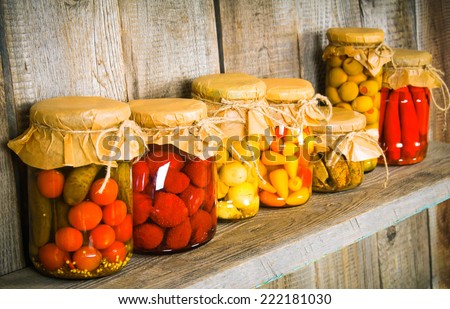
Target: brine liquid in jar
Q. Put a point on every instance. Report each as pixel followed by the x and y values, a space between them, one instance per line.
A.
pixel 77 230
pixel 174 200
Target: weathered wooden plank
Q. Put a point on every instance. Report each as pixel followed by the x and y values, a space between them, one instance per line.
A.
pixel 433 35
pixel 352 267
pixel 303 278
pixel 395 17
pixel 59 48
pixel 314 19
pixel 11 249
pixel 250 252
pixel 404 254
pixel 54 48
pixel 260 37
pixel 439 218
pixel 166 44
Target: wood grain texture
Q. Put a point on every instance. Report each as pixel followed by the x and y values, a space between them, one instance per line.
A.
pixel 395 17
pixel 314 19
pixel 260 37
pixel 404 254
pixel 166 44
pixel 433 35
pixel 303 278
pixel 354 266
pixel 440 245
pixel 11 250
pixel 250 252
pixel 60 48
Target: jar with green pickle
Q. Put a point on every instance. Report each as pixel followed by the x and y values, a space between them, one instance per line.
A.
pixel 78 152
pixel 354 71
pixel 341 147
pixel 239 99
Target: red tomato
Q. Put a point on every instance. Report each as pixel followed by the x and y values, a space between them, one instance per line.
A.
pixel 52 257
pixel 87 258
pixel 85 216
pixel 109 193
pixel 141 174
pixel 102 236
pixel 124 230
pixel 115 253
pixel 68 239
pixel 50 183
pixel 114 213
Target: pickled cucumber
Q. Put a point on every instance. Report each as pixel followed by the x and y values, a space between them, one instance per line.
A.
pixel 78 183
pixel 356 173
pixel 40 216
pixel 122 175
pixel 339 174
pixel 61 210
pixel 320 174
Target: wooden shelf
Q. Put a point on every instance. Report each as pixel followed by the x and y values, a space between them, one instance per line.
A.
pixel 249 253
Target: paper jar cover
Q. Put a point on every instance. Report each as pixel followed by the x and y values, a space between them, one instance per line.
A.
pixel 77 131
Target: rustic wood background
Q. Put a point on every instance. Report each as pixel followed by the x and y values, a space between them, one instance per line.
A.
pixel 125 49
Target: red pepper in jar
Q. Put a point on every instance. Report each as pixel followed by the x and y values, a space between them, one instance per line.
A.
pixel 422 106
pixel 409 125
pixel 391 127
pixel 384 96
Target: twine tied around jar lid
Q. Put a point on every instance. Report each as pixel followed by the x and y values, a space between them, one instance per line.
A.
pixel 77 131
pixel 431 79
pixel 311 113
pixel 366 45
pixel 180 122
pixel 260 107
pixel 344 135
pixel 410 67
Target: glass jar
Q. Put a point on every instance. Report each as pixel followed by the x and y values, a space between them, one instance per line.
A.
pixel 354 71
pixel 79 186
pixel 340 149
pixel 239 98
pixel 284 166
pixel 405 106
pixel 174 187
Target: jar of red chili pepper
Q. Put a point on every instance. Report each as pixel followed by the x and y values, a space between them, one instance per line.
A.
pixel 405 106
pixel 284 164
pixel 341 146
pixel 79 185
pixel 354 72
pixel 174 187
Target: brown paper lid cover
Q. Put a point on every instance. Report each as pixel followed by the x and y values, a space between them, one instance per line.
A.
pixel 342 121
pixel 410 58
pixel 167 112
pixel 229 86
pixel 288 90
pixel 363 36
pixel 69 131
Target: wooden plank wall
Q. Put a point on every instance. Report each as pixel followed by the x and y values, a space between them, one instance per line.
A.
pixel 128 49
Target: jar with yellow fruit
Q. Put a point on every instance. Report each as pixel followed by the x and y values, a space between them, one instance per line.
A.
pixel 354 71
pixel 239 99
pixel 341 147
pixel 284 164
